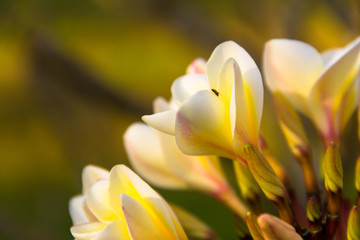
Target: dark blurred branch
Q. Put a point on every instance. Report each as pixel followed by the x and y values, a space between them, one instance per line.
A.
pixel 50 64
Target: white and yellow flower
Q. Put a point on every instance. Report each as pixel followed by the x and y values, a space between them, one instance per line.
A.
pixel 216 113
pixel 323 87
pixel 156 157
pixel 119 205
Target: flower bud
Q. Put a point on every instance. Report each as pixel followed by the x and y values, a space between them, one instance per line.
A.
pixel 274 228
pixel 313 211
pixel 253 226
pixel 264 174
pixel 357 175
pixel 269 183
pixel 353 230
pixel 333 169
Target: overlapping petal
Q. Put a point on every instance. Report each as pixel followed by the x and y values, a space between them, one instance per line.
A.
pixel 332 89
pixel 147 157
pixel 320 86
pixel 124 207
pixel 292 67
pixel 162 121
pixel 203 126
pixel 186 86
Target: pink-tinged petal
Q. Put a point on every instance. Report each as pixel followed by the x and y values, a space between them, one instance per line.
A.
pixel 222 54
pixel 146 155
pixel 198 172
pixel 186 86
pixel 328 93
pixel 77 211
pixel 249 97
pixel 91 174
pixel 197 66
pixel 115 230
pixel 274 228
pixel 98 201
pixel 140 223
pixel 203 126
pixel 292 67
pixel 87 231
pixel 162 121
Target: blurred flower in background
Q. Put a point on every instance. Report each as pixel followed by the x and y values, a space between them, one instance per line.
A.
pixel 75 74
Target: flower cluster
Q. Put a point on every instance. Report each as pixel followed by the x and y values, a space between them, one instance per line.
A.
pixel 214 115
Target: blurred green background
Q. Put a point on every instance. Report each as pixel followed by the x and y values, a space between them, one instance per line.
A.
pixel 75 74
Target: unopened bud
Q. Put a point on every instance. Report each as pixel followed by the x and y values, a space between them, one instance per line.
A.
pixel 357 175
pixel 353 230
pixel 253 226
pixel 269 183
pixel 264 174
pixel 313 211
pixel 333 169
pixel 274 228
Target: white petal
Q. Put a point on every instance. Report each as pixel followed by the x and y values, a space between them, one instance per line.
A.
pixel 187 85
pixel 227 76
pixel 161 105
pixel 98 201
pixel 203 126
pixel 162 121
pixel 141 223
pixel 123 180
pixel 146 155
pixel 76 209
pixel 223 53
pixel 86 231
pixel 249 94
pixel 197 171
pixel 91 174
pixel 292 67
pixel 328 93
pixel 337 77
pixel 115 230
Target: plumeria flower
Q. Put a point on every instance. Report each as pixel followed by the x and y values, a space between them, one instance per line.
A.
pixel 324 87
pixel 219 111
pixel 156 156
pixel 268 227
pixel 120 205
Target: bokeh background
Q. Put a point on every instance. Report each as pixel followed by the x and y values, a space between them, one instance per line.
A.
pixel 75 74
